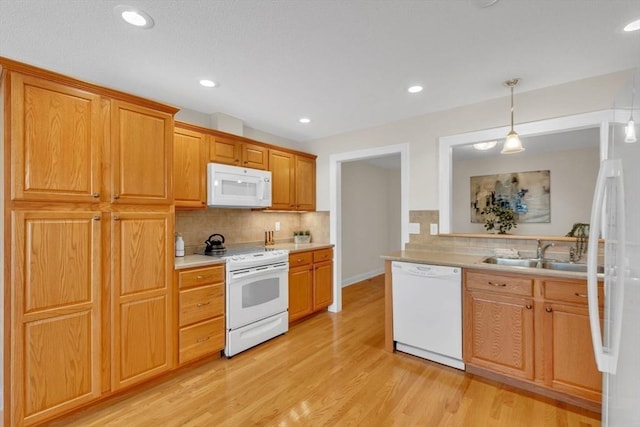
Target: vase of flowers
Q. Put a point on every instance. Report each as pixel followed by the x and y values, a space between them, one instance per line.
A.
pixel 499 218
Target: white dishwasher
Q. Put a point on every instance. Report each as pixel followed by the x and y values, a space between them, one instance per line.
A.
pixel 427 311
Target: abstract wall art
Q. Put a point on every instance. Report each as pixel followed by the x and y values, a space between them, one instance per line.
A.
pixel 526 193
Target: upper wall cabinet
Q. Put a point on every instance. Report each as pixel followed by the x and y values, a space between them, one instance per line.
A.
pixel 189 166
pixel 56 135
pixel 233 151
pixel 294 181
pixel 142 154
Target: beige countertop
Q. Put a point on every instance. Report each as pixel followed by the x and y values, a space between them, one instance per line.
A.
pixel 195 260
pixel 474 261
pixel 190 261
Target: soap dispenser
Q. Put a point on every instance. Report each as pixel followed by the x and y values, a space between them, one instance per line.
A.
pixel 179 245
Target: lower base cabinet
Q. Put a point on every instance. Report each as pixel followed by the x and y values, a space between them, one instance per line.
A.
pixel 531 332
pixel 310 282
pixel 201 300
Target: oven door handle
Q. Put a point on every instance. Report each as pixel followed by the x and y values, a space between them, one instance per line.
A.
pixel 258 271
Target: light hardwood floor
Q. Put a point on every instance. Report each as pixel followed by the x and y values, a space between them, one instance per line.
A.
pixel 330 370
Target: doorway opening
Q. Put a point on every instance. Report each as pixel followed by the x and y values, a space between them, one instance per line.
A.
pixel 351 173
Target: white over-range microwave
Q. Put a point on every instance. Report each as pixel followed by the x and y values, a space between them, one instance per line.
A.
pixel 237 187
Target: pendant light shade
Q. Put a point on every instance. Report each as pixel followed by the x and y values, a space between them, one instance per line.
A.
pixel 630 128
pixel 630 131
pixel 512 143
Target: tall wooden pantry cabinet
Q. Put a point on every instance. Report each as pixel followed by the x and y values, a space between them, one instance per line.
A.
pixel 88 241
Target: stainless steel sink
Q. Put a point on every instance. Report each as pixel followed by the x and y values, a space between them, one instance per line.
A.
pixel 534 263
pixel 568 266
pixel 513 262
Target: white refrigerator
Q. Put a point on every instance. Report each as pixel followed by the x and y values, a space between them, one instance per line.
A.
pixel 615 217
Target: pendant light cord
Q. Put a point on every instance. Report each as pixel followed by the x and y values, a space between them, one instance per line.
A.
pixel 512 108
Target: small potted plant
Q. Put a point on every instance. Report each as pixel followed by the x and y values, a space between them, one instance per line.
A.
pixel 302 236
pixel 498 218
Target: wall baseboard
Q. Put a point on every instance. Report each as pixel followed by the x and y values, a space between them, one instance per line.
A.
pixel 363 276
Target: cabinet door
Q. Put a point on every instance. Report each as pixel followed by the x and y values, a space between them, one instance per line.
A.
pixel 142 155
pixel 142 344
pixel 56 138
pixel 189 166
pixel 499 333
pixel 56 351
pixel 225 150
pixel 570 365
pixel 300 292
pixel 305 168
pixel 283 192
pixel 322 285
pixel 254 156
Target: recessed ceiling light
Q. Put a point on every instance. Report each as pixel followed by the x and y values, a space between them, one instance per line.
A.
pixel 304 120
pixel 135 17
pixel 632 26
pixel 415 89
pixel 483 146
pixel 208 83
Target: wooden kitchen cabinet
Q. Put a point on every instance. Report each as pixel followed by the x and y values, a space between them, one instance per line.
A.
pixel 569 362
pixel 56 139
pixel 310 282
pixel 141 154
pixel 532 332
pixel 293 181
pixel 142 315
pixel 190 168
pixel 56 352
pixel 498 321
pixel 235 151
pixel 90 240
pixel 201 301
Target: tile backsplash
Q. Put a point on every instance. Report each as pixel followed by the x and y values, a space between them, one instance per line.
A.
pixel 480 245
pixel 240 226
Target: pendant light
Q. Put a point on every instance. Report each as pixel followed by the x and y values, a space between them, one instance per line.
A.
pixel 512 143
pixel 630 128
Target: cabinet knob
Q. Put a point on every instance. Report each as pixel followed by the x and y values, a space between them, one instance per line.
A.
pixel 96 218
pixel 116 218
pixel 200 340
pixel 528 306
pixel 202 304
pixel 116 196
pixel 95 195
pixel 578 294
pixel 548 309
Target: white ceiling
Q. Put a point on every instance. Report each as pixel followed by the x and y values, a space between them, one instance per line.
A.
pixel 345 64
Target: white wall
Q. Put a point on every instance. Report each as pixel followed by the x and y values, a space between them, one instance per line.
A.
pixel 422 133
pixel 207 121
pixel 573 176
pixel 370 218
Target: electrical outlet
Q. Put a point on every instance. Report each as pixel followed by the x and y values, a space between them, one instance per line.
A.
pixel 414 228
pixel 433 229
pixel 277 226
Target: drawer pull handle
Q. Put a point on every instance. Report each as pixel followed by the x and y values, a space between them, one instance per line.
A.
pixel 203 339
pixel 578 294
pixel 499 285
pixel 548 309
pixel 95 195
pixel 528 306
pixel 202 304
pixel 203 277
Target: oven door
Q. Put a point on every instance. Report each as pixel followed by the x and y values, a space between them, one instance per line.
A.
pixel 256 293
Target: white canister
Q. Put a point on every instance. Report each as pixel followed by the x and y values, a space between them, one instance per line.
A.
pixel 179 245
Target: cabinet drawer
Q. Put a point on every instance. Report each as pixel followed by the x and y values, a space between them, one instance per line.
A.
pixel 570 291
pixel 300 258
pixel 498 283
pixel 201 276
pixel 201 339
pixel 322 255
pixel 201 303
